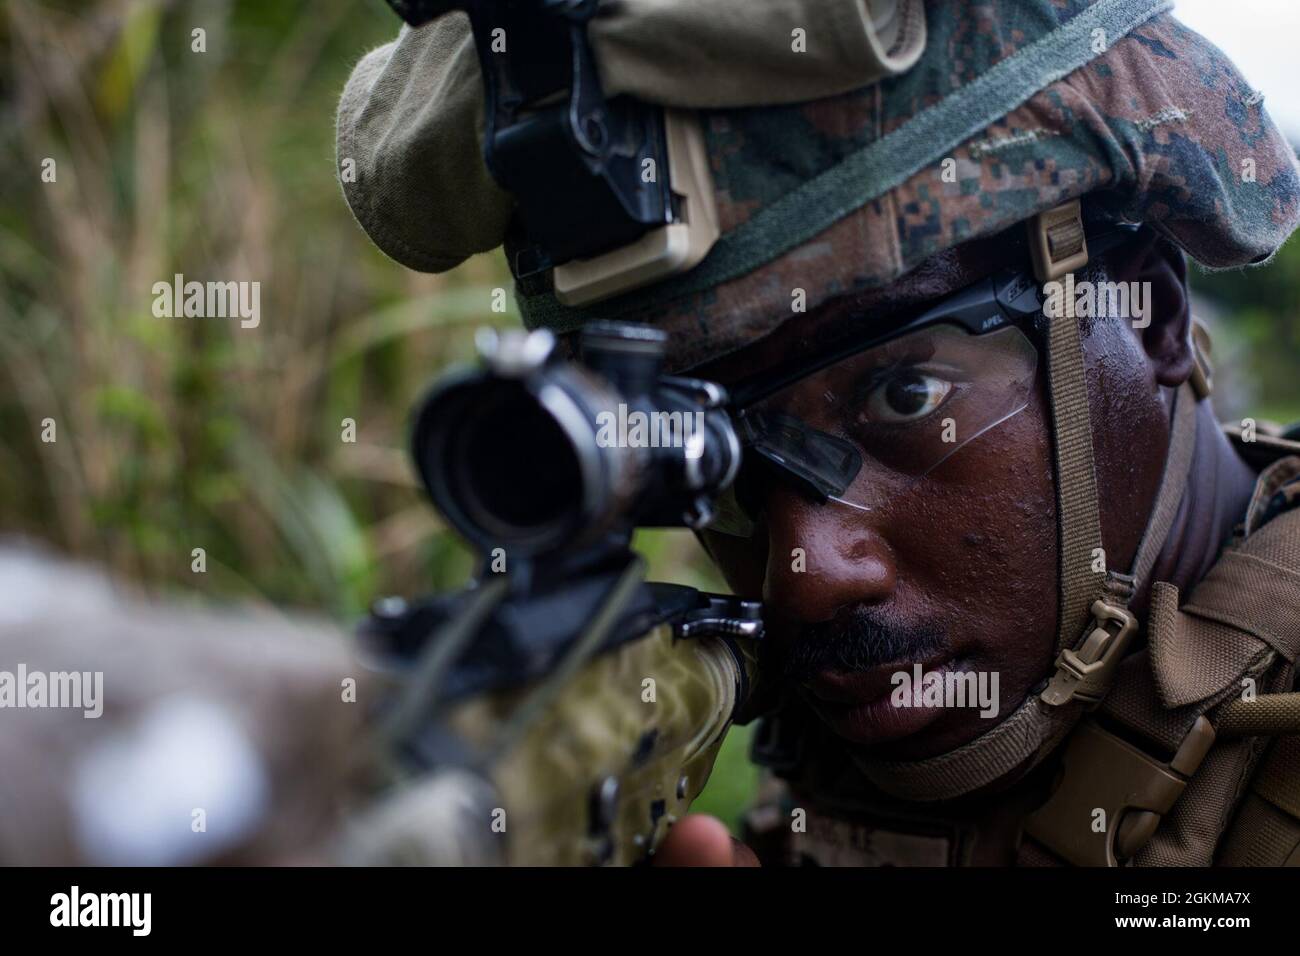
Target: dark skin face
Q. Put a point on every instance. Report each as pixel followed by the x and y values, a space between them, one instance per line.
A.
pixel 971 549
pixel 969 552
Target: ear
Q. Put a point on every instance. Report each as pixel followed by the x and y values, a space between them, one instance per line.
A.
pixel 1166 339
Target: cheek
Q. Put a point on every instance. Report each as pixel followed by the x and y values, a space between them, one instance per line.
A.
pixel 1130 436
pixel 976 543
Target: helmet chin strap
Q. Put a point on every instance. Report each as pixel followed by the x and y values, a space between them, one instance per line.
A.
pixel 1094 624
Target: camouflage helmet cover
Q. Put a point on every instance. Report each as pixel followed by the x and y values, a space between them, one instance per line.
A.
pixel 1014 107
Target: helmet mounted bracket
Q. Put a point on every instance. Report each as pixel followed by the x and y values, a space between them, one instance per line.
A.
pixel 611 193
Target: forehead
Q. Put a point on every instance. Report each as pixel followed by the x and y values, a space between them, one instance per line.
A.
pixel 936 278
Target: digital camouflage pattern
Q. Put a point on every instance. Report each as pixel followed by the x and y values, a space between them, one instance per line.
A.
pixel 1160 127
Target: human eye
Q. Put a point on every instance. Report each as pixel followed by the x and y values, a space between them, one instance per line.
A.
pixel 903 394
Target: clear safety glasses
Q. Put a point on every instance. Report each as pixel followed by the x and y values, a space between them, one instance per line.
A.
pixel 866 422
pixel 862 424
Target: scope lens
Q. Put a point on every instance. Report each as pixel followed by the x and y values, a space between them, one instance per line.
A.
pixel 508 471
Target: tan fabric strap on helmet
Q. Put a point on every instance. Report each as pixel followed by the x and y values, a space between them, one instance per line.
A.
pixel 1086 670
pixel 1078 521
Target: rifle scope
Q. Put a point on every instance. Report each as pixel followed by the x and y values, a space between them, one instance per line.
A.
pixel 534 453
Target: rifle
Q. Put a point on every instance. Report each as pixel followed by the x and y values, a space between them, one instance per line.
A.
pixel 560 710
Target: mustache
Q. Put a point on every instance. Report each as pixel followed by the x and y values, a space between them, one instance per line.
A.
pixel 857 639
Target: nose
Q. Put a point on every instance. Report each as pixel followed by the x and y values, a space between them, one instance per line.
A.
pixel 822 557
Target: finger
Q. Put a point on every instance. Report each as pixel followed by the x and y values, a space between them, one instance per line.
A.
pixel 696 840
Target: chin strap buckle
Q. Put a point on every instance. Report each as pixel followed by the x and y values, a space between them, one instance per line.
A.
pixel 1085 672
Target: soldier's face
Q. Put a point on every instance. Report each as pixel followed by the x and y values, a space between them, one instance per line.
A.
pixel 958 572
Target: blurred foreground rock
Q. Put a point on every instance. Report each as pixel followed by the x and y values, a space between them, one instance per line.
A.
pixel 222 737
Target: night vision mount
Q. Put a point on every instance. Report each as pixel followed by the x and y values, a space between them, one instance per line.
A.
pixel 611 194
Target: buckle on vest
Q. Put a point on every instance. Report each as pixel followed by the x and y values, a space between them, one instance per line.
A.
pixel 1131 789
pixel 1085 673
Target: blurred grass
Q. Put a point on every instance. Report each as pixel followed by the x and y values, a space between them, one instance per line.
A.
pixel 174 434
pixel 734 782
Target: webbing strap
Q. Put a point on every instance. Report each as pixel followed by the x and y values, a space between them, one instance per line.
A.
pixel 1265 715
pixel 1033 729
pixel 1078 521
pixel 1087 665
